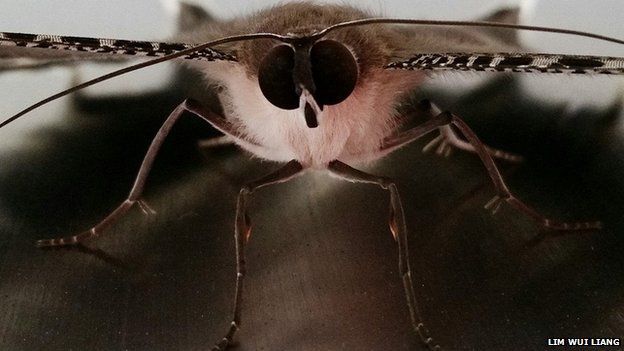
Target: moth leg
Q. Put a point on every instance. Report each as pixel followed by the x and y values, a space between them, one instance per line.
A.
pixel 405 137
pixel 135 192
pixel 448 139
pixel 222 125
pixel 139 184
pixel 443 119
pixel 242 232
pixel 503 192
pixel 399 231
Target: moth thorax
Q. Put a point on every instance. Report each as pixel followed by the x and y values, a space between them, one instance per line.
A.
pixel 308 76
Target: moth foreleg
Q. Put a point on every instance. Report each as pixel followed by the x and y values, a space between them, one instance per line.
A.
pixel 135 192
pixel 242 232
pixel 399 231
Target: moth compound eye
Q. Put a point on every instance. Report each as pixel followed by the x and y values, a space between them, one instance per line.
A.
pixel 334 70
pixel 276 77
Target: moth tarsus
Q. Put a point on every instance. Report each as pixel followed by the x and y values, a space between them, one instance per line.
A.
pixel 308 91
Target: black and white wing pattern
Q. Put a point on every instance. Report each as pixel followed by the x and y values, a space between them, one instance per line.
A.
pixel 513 62
pixel 489 49
pixel 22 45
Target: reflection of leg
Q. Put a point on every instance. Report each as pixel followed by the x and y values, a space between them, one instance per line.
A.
pixel 242 231
pixel 503 193
pixel 399 231
pixel 135 193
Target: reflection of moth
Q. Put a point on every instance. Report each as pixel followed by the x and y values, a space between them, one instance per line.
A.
pixel 312 89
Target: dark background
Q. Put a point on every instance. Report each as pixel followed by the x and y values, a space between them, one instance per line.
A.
pixel 322 265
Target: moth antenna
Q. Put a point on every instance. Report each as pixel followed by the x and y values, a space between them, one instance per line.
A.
pixel 189 51
pixel 512 62
pixel 367 21
pixel 43 39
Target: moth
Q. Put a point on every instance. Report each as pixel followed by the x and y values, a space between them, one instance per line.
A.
pixel 316 87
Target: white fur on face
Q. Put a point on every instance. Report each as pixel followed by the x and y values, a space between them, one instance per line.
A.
pixel 351 131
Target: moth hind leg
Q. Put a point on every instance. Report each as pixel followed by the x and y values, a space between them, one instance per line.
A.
pixel 449 140
pixel 504 195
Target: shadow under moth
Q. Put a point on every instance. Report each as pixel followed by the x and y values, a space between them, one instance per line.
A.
pixel 318 87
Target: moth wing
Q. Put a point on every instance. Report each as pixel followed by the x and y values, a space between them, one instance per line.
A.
pixel 13 57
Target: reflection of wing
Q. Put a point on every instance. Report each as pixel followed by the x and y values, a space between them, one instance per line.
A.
pixel 13 63
pixel 412 39
pixel 419 39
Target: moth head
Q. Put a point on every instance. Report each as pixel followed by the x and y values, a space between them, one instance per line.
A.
pixel 308 75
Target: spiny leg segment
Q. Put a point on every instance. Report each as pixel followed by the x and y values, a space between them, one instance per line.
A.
pixel 139 184
pixel 505 195
pixel 242 232
pixel 399 231
pixel 441 121
pixel 135 192
pixel 486 154
pixel 448 139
